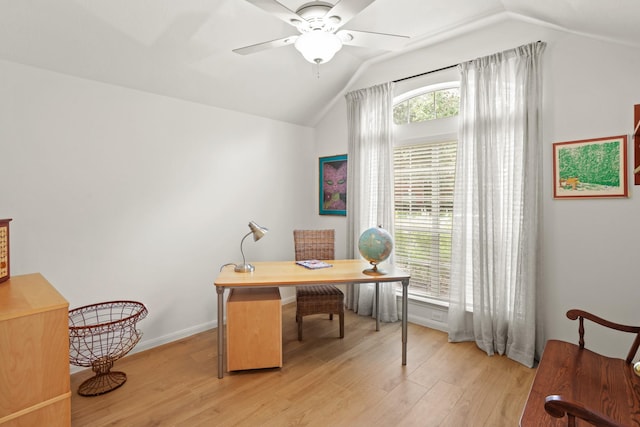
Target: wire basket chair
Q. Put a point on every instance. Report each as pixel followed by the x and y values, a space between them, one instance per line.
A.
pixel 100 334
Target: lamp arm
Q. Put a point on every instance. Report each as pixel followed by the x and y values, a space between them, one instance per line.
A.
pixel 241 250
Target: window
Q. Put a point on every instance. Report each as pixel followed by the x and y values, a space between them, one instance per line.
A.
pixel 423 189
pixel 420 106
pixel 424 170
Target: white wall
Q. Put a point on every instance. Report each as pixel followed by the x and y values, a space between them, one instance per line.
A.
pixel 590 87
pixel 120 194
pixel 333 142
pixel 589 249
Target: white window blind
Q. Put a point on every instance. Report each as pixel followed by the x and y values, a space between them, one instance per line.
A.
pixel 423 187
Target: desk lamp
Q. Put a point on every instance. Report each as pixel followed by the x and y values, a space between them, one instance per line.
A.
pixel 258 232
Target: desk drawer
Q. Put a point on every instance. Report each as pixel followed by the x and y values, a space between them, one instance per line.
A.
pixel 254 328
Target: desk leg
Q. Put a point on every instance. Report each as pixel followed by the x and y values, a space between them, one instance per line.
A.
pixel 377 308
pixel 220 291
pixel 405 306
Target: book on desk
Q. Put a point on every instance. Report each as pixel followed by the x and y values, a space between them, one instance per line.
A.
pixel 313 264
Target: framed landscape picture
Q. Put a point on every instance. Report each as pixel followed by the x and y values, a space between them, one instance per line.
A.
pixel 590 168
pixel 333 185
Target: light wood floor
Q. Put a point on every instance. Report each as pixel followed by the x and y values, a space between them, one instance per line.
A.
pixel 325 381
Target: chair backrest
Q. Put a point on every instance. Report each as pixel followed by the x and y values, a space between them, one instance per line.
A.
pixel 314 244
pixel 581 315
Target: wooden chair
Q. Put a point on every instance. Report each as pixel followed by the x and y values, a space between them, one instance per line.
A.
pixel 317 299
pixel 580 384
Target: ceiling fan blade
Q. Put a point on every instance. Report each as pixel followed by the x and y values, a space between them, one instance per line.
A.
pixel 279 11
pixel 347 9
pixel 247 50
pixel 372 40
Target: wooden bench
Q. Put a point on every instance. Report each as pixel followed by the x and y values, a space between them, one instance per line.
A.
pixel 574 386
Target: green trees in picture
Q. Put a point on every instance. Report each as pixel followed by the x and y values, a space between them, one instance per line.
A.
pixel 596 164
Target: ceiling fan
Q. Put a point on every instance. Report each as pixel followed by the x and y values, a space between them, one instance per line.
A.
pixel 319 24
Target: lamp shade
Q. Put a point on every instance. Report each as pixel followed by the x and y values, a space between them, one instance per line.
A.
pixel 258 232
pixel 317 46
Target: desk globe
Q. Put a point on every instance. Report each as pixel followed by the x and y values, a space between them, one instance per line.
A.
pixel 375 245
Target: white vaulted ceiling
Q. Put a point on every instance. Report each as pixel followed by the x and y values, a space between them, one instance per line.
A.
pixel 183 48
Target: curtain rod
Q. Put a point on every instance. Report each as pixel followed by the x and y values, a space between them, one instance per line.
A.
pixel 425 73
pixel 433 71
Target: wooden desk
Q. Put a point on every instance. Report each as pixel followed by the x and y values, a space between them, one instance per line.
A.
pixel 288 273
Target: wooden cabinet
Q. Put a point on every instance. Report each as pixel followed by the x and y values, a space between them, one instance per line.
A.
pixel 34 354
pixel 254 328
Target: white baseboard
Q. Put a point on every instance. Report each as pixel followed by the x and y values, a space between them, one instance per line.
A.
pixel 426 314
pixel 420 313
pixel 289 300
pixel 429 323
pixel 165 339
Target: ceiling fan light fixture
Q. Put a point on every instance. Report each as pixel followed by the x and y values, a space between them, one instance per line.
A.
pixel 318 47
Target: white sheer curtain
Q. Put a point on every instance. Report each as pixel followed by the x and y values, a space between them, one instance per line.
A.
pixel 370 185
pixel 496 204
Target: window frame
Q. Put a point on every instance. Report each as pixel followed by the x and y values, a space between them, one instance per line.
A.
pixel 429 131
pixel 434 217
pixel 422 90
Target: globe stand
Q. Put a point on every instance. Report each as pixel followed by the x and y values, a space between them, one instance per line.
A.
pixel 374 271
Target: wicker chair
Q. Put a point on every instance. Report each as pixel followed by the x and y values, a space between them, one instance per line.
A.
pixel 317 299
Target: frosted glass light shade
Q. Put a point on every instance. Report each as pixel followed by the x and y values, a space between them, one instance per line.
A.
pixel 318 47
